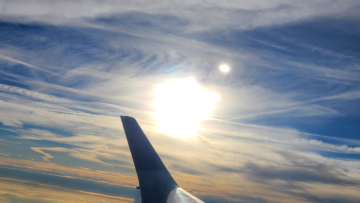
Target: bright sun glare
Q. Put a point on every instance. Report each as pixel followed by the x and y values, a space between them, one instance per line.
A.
pixel 224 68
pixel 181 105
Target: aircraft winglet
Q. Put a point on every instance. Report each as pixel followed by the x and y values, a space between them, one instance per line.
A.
pixel 155 181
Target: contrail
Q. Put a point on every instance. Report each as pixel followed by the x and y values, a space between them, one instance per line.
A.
pixel 26 64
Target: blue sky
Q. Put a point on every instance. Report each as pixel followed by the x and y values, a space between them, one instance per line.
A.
pixel 286 127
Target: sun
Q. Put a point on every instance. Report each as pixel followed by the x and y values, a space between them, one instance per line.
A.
pixel 224 68
pixel 181 105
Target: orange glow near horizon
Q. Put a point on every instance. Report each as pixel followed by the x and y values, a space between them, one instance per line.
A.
pixel 181 105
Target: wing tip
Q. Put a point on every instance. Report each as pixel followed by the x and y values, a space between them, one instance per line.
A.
pixel 127 118
pixel 155 181
pixel 122 116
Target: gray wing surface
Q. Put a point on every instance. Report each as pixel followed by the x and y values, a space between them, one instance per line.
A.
pixel 156 183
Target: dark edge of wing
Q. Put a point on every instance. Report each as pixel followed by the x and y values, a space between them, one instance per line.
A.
pixel 155 181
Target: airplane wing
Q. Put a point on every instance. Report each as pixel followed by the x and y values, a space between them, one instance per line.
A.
pixel 156 183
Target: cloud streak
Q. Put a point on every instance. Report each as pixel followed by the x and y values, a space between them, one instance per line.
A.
pixel 283 130
pixel 198 14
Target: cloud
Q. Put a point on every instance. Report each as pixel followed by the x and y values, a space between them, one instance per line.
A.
pixel 14 191
pixel 14 199
pixel 106 177
pixel 32 94
pixel 300 174
pixel 11 122
pixel 46 156
pixel 24 63
pixel 187 170
pixel 78 153
pixel 69 182
pixel 320 173
pixel 202 15
pixel 111 55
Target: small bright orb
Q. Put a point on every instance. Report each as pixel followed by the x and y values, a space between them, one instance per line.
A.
pixel 181 105
pixel 224 68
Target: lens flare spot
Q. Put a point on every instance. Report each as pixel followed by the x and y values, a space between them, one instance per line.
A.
pixel 181 105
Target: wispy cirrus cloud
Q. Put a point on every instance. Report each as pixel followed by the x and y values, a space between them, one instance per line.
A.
pixel 198 14
pixel 69 69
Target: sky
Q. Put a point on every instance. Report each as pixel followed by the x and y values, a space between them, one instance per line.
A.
pixel 281 126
